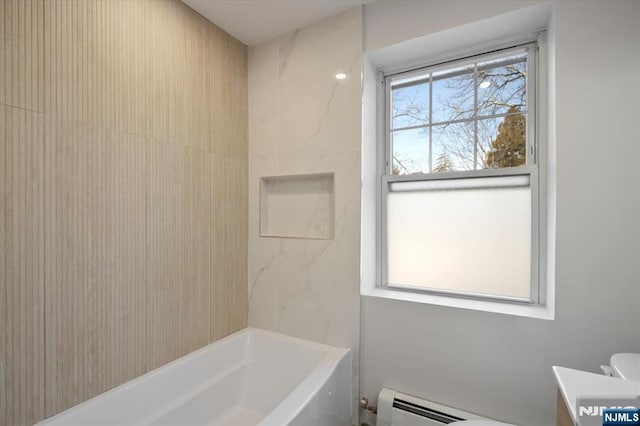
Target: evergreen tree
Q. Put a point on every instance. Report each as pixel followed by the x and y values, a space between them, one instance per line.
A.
pixel 509 149
pixel 443 163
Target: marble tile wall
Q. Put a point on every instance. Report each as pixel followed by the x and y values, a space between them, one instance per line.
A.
pixel 303 120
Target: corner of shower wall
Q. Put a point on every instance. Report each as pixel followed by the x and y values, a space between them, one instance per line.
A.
pixel 304 121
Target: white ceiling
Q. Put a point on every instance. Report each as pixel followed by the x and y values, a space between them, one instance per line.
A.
pixel 255 21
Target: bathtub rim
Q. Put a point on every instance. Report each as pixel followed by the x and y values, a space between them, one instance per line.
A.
pixel 318 376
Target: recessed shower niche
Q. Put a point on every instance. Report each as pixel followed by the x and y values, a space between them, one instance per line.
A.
pixel 297 206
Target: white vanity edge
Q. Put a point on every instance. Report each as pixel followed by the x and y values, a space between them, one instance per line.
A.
pixel 576 383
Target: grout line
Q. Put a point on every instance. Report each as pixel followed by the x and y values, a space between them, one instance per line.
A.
pixel 21 108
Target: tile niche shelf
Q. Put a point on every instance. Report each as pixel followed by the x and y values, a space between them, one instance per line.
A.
pixel 297 206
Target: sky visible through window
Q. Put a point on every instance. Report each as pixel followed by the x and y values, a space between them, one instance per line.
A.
pixel 464 118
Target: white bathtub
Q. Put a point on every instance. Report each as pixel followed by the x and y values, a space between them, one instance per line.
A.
pixel 252 377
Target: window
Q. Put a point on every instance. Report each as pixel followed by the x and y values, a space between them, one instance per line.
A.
pixel 459 185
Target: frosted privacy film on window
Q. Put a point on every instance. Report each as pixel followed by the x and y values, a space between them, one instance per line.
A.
pixel 472 240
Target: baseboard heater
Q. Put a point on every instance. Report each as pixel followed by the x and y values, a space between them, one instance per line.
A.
pixel 398 409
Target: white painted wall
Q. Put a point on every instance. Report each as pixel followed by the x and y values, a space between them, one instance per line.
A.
pixel 499 365
pixel 391 22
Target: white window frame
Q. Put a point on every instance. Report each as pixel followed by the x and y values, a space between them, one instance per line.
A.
pixel 534 169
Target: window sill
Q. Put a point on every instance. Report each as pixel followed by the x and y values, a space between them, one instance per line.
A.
pixel 529 311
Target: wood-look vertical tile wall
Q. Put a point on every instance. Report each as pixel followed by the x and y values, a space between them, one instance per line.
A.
pixel 123 194
pixel 96 268
pixel 229 298
pixel 21 211
pixel 21 54
pixel 21 265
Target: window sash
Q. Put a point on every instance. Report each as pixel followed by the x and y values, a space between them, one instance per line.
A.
pixel 417 76
pixel 523 177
